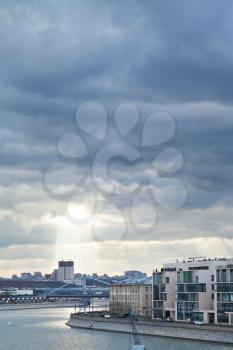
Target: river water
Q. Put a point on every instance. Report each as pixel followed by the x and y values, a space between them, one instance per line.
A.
pixel 46 330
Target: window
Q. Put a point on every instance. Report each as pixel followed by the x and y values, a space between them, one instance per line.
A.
pixel 218 275
pixel 212 296
pixel 212 278
pixel 167 279
pixel 164 296
pixel 198 287
pixel 178 277
pixel 159 277
pixel 156 292
pixel 231 275
pixel 212 286
pixel 162 288
pixel 223 275
pixel 187 296
pixel 187 276
pixel 180 288
pixel 199 268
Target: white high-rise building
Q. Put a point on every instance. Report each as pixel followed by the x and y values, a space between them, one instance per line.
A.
pixel 65 271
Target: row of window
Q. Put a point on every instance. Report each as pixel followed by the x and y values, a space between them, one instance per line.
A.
pixel 224 275
pixel 187 296
pixel 224 307
pixel 168 269
pixel 225 297
pixel 191 288
pixel 225 287
pixel 199 268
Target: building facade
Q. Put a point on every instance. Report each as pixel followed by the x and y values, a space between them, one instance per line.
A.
pixel 164 283
pixel 194 290
pixel 134 294
pixel 65 271
pixel 224 294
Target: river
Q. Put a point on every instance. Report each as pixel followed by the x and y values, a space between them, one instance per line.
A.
pixel 46 330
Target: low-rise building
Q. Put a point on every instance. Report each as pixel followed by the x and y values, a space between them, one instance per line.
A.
pixel 26 276
pixel 131 293
pixel 16 291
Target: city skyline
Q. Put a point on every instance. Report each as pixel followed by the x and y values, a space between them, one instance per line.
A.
pixel 31 274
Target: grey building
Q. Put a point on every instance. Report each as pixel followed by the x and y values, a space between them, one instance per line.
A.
pixel 131 293
pixel 65 271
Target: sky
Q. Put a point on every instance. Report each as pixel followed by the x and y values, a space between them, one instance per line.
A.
pixel 85 85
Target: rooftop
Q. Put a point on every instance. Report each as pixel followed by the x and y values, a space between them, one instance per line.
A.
pixel 135 281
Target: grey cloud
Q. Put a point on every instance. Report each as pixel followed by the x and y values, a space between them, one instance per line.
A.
pixel 161 55
pixel 154 50
pixel 13 234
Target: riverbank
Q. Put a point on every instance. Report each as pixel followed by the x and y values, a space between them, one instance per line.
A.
pixel 215 334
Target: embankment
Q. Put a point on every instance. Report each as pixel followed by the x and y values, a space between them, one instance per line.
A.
pixel 216 334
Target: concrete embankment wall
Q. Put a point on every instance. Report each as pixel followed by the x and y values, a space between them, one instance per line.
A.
pixel 145 328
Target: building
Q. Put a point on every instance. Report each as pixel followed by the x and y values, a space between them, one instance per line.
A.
pixel 18 292
pixel 26 276
pixel 15 277
pixel 164 296
pixel 37 275
pixel 135 294
pixel 224 292
pixel 65 271
pixel 80 281
pixel 55 275
pixel 134 274
pixel 193 289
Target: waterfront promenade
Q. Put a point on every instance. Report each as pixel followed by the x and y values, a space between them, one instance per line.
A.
pixel 217 334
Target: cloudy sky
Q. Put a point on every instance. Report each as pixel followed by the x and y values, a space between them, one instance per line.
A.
pixel 79 81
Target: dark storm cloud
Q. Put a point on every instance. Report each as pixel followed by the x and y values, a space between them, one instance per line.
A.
pixel 54 56
pixel 154 50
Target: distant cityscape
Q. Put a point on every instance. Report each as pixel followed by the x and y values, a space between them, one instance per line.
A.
pixel 65 272
pixel 193 290
pixel 62 284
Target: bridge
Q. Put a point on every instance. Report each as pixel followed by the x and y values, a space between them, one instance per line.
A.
pixel 61 293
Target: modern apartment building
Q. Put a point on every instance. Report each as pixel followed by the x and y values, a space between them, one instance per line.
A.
pixel 164 284
pixel 131 293
pixel 194 289
pixel 224 294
